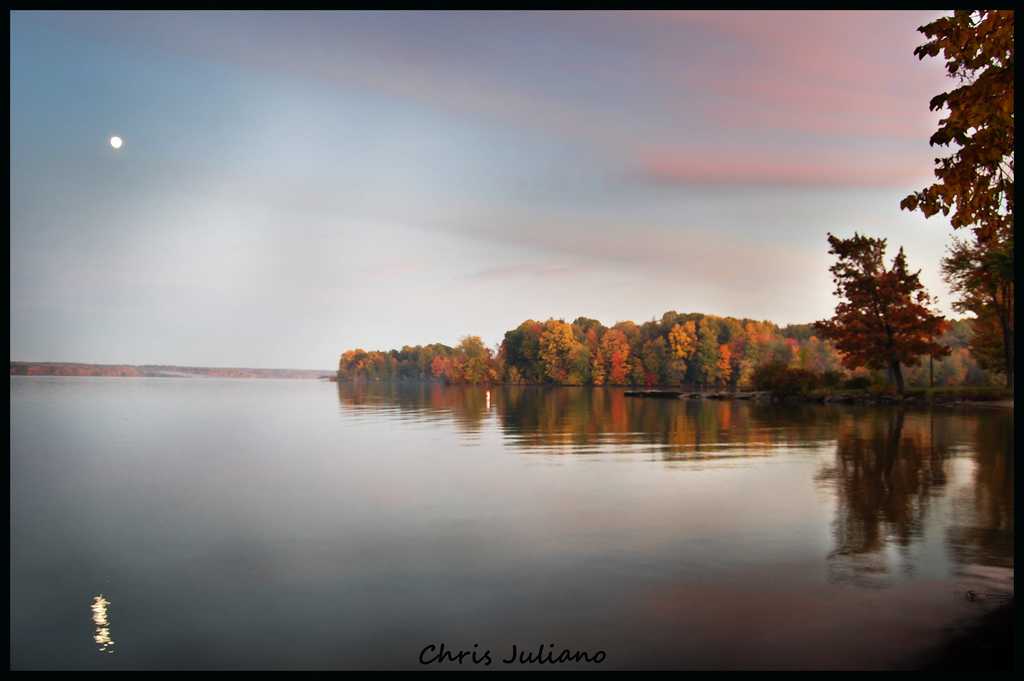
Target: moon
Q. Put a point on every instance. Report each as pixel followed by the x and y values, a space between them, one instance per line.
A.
pixel 116 142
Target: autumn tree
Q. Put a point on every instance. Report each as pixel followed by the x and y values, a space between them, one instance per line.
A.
pixel 521 348
pixel 883 319
pixel 587 330
pixel 706 355
pixel 440 367
pixel 580 371
pixel 476 361
pixel 982 278
pixel 587 362
pixel 558 350
pixel 988 349
pixel 597 367
pixel 682 339
pixel 655 359
pixel 638 372
pixel 974 184
pixel 757 336
pixel 724 363
pixel 615 348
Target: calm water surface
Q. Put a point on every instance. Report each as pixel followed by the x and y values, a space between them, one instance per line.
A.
pixel 204 523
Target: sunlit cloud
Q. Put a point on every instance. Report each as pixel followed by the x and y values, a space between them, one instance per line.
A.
pixel 783 168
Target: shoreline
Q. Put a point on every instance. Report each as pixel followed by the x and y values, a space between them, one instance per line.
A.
pixel 986 645
pixel 938 397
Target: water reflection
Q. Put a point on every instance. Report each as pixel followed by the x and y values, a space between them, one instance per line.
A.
pixel 584 420
pixel 898 479
pixel 888 467
pixel 981 532
pixel 377 519
pixel 892 468
pixel 101 620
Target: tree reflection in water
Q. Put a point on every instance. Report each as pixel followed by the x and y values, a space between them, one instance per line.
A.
pixel 891 466
pixel 585 420
pixel 884 474
pixel 982 528
pixel 887 469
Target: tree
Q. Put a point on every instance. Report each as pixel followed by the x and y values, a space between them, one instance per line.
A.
pixel 988 348
pixel 477 363
pixel 706 355
pixel 655 358
pixel 975 183
pixel 615 348
pixel 638 372
pixel 580 372
pixel 522 351
pixel 982 277
pixel 724 363
pixel 683 341
pixel 587 330
pixel 757 336
pixel 439 367
pixel 557 350
pixel 882 320
pixel 597 367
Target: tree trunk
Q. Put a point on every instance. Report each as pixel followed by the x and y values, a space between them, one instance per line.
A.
pixel 1007 350
pixel 1005 312
pixel 897 374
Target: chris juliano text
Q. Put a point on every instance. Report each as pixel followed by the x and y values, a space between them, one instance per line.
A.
pixel 439 653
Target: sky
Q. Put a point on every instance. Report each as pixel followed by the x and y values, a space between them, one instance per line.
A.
pixel 292 185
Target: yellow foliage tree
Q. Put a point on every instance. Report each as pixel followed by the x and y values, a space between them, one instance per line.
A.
pixel 557 346
pixel 682 339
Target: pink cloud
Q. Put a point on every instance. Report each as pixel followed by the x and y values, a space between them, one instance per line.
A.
pixel 827 73
pixel 832 76
pixel 719 166
pixel 758 103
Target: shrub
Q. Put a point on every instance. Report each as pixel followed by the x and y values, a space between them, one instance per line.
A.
pixel 857 383
pixel 832 379
pixel 776 377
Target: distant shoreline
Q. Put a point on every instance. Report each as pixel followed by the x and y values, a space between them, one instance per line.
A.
pixel 157 371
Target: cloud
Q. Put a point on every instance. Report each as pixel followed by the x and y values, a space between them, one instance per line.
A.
pixel 824 73
pixel 785 167
pixel 523 270
pixel 679 73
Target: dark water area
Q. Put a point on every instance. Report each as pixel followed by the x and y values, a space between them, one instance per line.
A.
pixel 287 524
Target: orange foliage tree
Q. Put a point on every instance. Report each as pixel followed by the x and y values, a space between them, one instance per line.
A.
pixel 974 184
pixel 882 320
pixel 724 363
pixel 615 347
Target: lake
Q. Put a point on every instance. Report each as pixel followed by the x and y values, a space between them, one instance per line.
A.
pixel 294 524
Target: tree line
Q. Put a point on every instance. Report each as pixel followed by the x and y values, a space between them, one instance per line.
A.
pixel 681 349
